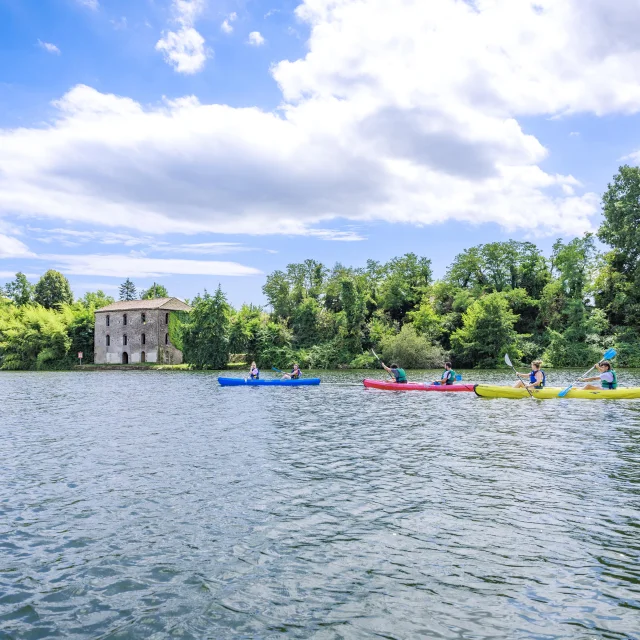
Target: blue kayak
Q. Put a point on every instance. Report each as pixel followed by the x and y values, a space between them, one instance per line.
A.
pixel 241 382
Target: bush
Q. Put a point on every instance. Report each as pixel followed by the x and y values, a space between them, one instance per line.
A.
pixel 364 361
pixel 412 351
pixel 627 343
pixel 562 352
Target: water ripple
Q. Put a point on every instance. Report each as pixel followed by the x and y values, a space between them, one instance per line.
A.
pixel 158 505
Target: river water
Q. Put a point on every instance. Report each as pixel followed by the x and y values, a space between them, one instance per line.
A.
pixel 158 505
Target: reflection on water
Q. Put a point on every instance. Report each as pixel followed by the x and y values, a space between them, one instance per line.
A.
pixel 151 504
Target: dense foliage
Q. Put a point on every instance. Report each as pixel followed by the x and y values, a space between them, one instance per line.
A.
pixel 495 298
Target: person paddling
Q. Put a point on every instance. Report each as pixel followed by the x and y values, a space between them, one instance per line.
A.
pixel 295 374
pixel 448 376
pixel 398 373
pixel 537 377
pixel 254 372
pixel 608 377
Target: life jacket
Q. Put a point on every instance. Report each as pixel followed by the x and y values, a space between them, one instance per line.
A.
pixel 399 374
pixel 533 380
pixel 449 377
pixel 255 373
pixel 294 375
pixel 611 385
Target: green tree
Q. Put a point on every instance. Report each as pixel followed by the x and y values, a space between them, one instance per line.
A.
pixel 244 329
pixel 52 290
pixel 277 290
pixel 20 290
pixel 500 266
pixel 33 337
pixel 305 322
pixel 154 291
pixel 411 351
pixel 407 280
pixel 354 308
pixel 487 332
pixel 617 287
pixel 426 321
pixel 621 210
pixel 96 300
pixel 274 346
pixel 128 290
pixel 206 338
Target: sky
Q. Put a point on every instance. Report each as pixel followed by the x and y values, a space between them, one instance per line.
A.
pixel 205 142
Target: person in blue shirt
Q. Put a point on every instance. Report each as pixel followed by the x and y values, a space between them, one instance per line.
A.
pixel 254 372
pixel 295 374
pixel 536 378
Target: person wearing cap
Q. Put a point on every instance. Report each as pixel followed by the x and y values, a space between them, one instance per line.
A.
pixel 608 378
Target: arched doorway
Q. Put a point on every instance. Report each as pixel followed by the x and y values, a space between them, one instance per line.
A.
pixel 125 358
pixel 143 357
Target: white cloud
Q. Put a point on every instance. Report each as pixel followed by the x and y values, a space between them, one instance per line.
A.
pixel 91 4
pixel 633 157
pixel 226 27
pixel 574 134
pixel 140 267
pixel 95 286
pixel 12 274
pixel 119 24
pixel 256 39
pixel 50 48
pixel 12 248
pixel 185 48
pixel 396 114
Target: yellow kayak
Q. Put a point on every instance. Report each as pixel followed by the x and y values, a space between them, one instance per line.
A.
pixel 495 391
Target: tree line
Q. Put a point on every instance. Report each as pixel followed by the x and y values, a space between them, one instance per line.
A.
pixel 566 308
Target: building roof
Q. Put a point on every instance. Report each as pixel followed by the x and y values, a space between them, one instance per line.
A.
pixel 170 304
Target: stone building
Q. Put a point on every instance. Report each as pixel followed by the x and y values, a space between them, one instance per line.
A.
pixel 137 331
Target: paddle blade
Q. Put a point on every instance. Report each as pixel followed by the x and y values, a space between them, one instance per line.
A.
pixel 458 376
pixel 564 392
pixel 507 360
pixel 610 354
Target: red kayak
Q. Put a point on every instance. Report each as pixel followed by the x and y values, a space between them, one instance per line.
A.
pixel 415 386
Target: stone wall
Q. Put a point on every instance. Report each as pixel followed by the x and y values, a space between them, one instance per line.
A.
pixel 153 327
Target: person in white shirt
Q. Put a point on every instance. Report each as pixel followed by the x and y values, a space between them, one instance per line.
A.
pixel 607 377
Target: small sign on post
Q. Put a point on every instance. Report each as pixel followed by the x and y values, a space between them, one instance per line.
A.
pixel 80 356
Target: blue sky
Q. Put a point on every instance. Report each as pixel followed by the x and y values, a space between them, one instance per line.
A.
pixel 197 142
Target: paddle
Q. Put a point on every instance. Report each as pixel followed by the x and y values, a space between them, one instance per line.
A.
pixel 608 355
pixel 276 369
pixel 507 360
pixel 380 361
